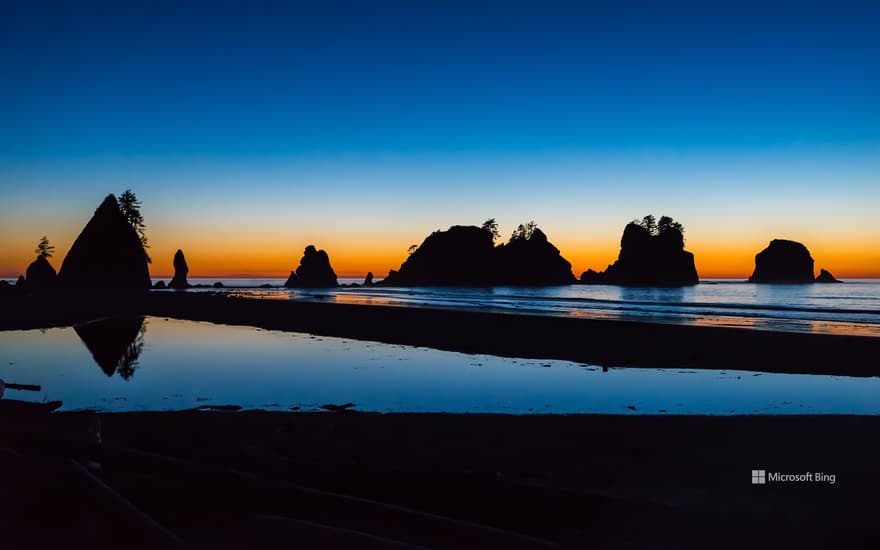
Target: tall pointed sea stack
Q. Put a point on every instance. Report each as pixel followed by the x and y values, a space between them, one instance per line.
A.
pixel 314 271
pixel 180 271
pixel 107 254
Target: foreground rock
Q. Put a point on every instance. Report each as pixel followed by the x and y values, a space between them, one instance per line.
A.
pixel 648 259
pixel 467 256
pixel 314 271
pixel 180 271
pixel 783 262
pixel 826 277
pixel 107 254
pixel 40 274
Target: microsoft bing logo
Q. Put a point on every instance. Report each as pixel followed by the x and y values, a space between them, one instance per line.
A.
pixel 759 477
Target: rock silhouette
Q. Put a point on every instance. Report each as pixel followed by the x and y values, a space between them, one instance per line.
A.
pixel 826 277
pixel 783 262
pixel 180 271
pixel 465 255
pixel 20 282
pixel 160 285
pixel 314 271
pixel 40 274
pixel 368 280
pixel 459 256
pixel 115 343
pixel 648 259
pixel 107 253
pixel 531 260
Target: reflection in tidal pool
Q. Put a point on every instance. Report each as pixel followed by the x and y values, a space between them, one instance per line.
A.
pixel 165 364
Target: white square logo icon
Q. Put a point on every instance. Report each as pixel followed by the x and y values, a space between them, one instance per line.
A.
pixel 759 477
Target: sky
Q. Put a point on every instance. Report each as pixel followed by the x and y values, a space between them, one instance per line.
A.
pixel 250 130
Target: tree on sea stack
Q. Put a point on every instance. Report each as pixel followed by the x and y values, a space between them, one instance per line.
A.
pixel 44 249
pixel 130 207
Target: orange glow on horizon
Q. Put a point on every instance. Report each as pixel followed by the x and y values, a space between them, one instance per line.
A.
pixel 239 257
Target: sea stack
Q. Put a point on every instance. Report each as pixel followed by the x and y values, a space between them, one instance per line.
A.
pixel 40 274
pixel 783 262
pixel 649 256
pixel 107 254
pixel 530 259
pixel 368 280
pixel 180 271
pixel 826 277
pixel 314 271
pixel 466 255
pixel 462 255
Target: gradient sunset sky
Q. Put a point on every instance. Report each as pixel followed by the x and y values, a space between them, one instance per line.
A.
pixel 250 130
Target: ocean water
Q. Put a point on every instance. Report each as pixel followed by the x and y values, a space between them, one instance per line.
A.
pixel 848 308
pixel 166 364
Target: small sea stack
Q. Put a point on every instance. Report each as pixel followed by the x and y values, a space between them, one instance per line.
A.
pixel 825 276
pixel 783 262
pixel 107 254
pixel 40 274
pixel 651 254
pixel 368 280
pixel 314 271
pixel 180 271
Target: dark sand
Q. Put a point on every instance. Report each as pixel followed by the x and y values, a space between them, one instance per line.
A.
pixel 442 481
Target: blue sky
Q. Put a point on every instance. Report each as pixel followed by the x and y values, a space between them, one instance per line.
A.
pixel 399 118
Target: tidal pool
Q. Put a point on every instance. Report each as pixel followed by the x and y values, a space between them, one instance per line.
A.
pixel 138 364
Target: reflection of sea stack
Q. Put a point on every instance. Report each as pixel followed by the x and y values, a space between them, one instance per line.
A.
pixel 115 343
pixel 649 257
pixel 180 271
pixel 826 277
pixel 40 274
pixel 314 271
pixel 783 262
pixel 107 253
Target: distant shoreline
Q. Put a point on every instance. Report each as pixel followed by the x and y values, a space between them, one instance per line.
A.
pixel 607 343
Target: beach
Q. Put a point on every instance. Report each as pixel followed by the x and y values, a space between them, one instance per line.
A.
pixel 223 477
pixel 233 479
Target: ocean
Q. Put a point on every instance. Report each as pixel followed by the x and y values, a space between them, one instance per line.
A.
pixel 851 308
